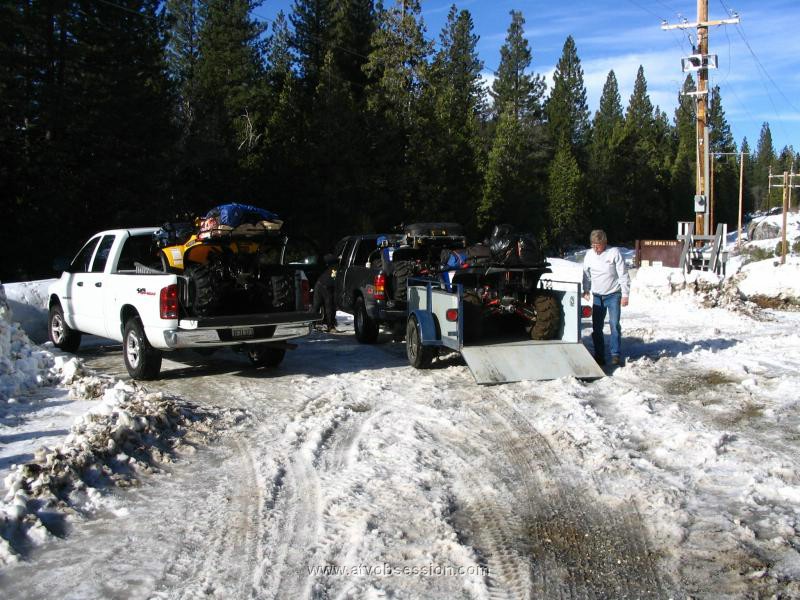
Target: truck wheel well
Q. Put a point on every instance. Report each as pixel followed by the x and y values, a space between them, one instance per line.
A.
pixel 53 301
pixel 125 315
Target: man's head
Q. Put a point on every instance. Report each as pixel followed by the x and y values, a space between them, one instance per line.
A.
pixel 598 240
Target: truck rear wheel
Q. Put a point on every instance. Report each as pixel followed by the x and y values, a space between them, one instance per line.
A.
pixel 265 355
pixel 548 317
pixel 62 335
pixel 366 327
pixel 419 356
pixel 141 359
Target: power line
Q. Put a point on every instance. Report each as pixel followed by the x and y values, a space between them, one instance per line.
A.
pixel 764 70
pixel 129 10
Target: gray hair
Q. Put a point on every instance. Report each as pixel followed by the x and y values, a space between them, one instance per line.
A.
pixel 598 236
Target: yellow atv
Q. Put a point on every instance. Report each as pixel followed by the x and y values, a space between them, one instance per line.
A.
pixel 231 261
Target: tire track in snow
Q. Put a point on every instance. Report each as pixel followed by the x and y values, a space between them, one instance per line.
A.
pixel 561 542
pixel 318 440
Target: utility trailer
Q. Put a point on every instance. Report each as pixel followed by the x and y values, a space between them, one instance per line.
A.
pixel 437 322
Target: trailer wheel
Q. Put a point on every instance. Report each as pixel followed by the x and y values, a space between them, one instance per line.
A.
pixel 62 335
pixel 265 355
pixel 419 356
pixel 548 317
pixel 141 359
pixel 366 328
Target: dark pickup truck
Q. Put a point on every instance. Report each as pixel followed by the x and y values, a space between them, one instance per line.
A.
pixel 372 276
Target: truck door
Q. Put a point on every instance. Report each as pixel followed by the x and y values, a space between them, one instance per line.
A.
pixel 357 275
pixel 90 293
pixel 78 285
pixel 343 298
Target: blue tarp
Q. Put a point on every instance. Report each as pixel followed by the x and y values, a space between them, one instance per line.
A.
pixel 234 215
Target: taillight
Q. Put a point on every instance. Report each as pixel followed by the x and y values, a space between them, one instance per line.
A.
pixel 451 314
pixel 305 293
pixel 586 312
pixel 168 302
pixel 379 287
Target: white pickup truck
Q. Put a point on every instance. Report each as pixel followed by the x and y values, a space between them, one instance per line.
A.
pixel 119 287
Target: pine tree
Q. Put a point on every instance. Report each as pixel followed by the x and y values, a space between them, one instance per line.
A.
pixel 726 176
pixel 90 110
pixel 567 109
pixel 515 184
pixel 459 107
pixel 311 20
pixel 566 200
pixel 513 89
pixel 397 70
pixel 605 161
pixel 353 24
pixel 765 197
pixel 684 168
pixel 646 186
pixel 232 91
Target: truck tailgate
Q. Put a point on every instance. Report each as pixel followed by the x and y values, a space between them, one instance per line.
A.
pixel 530 360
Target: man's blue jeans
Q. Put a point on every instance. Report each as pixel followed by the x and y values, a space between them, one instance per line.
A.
pixel 609 303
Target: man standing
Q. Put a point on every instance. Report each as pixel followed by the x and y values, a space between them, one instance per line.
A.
pixel 606 277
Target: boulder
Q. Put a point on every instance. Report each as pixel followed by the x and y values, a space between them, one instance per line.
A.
pixel 763 230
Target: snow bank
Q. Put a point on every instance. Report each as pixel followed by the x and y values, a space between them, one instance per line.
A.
pixel 27 301
pixel 24 365
pixel 126 433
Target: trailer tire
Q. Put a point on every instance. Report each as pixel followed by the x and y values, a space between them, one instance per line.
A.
pixel 419 356
pixel 548 317
pixel 265 355
pixel 141 360
pixel 366 327
pixel 62 335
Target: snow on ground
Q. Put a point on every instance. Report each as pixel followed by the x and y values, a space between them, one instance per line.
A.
pixel 357 476
pixel 102 432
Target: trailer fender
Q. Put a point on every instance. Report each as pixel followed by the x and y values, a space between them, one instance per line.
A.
pixel 429 332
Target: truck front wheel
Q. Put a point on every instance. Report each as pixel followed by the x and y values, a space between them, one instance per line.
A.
pixel 62 335
pixel 419 356
pixel 141 359
pixel 366 327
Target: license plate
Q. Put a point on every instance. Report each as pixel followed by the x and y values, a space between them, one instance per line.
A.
pixel 242 332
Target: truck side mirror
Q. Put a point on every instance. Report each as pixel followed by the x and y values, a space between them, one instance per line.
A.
pixel 61 264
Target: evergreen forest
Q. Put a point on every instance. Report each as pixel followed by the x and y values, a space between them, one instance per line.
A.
pixel 344 116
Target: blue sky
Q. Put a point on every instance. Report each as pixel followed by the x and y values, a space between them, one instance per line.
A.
pixel 757 84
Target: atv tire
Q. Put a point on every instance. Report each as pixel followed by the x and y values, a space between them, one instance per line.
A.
pixel 204 298
pixel 548 317
pixel 401 271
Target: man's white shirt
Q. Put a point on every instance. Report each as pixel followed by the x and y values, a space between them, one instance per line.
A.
pixel 605 273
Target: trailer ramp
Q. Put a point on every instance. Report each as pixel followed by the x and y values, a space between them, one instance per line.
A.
pixel 530 360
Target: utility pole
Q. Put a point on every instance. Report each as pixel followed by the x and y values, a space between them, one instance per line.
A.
pixel 741 201
pixel 787 186
pixel 741 189
pixel 700 62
